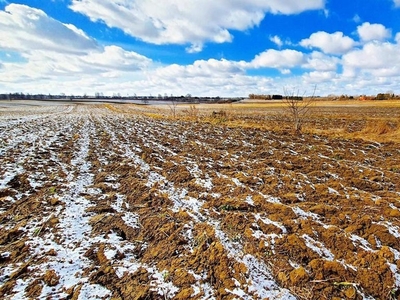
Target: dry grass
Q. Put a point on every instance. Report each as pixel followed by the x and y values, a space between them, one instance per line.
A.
pixel 112 107
pixel 351 119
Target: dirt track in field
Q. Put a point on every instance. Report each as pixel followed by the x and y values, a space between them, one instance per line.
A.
pixel 99 202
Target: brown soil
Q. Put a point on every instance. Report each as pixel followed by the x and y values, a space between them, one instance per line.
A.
pixel 321 213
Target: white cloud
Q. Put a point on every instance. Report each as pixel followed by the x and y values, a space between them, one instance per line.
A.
pixel 396 3
pixel 207 80
pixel 44 55
pixel 55 66
pixel 278 59
pixel 289 7
pixel 116 58
pixel 53 51
pixel 24 28
pixel 380 59
pixel 202 68
pixel 331 43
pixel 276 40
pixel 321 62
pixel 317 77
pixel 194 48
pixel 187 22
pixel 397 38
pixel 357 18
pixel 369 32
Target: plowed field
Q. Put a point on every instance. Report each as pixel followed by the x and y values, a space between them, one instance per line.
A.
pixel 106 202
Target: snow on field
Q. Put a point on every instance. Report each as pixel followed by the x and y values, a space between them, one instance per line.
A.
pixel 97 204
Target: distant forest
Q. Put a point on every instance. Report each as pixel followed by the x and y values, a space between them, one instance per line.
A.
pixel 100 96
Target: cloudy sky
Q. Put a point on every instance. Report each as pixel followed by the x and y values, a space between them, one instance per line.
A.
pixel 201 47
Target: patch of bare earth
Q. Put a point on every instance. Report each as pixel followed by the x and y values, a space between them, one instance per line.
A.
pixel 99 204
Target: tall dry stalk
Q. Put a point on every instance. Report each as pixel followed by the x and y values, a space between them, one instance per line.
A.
pixel 192 112
pixel 173 107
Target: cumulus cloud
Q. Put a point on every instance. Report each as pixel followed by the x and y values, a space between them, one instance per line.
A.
pixel 53 57
pixel 194 48
pixel 112 61
pixel 180 80
pixel 276 40
pixel 381 59
pixel 50 48
pixel 289 6
pixel 222 73
pixel 202 68
pixel 321 62
pixel 278 59
pixel 190 22
pixel 316 77
pixel 331 43
pixel 50 57
pixel 116 58
pixel 24 28
pixel 369 32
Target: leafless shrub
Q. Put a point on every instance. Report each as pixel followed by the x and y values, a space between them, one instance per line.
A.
pixel 297 107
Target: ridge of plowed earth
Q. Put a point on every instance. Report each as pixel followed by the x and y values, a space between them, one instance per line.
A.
pixel 101 205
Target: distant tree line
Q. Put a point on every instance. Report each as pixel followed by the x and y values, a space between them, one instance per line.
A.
pixel 384 96
pixel 380 96
pixel 116 96
pixel 22 96
pixel 274 97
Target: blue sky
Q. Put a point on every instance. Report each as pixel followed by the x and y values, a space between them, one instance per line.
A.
pixel 201 47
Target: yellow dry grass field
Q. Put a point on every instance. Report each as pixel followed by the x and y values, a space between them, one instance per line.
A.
pixel 368 120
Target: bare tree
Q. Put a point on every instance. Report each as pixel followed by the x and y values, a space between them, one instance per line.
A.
pixel 297 107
